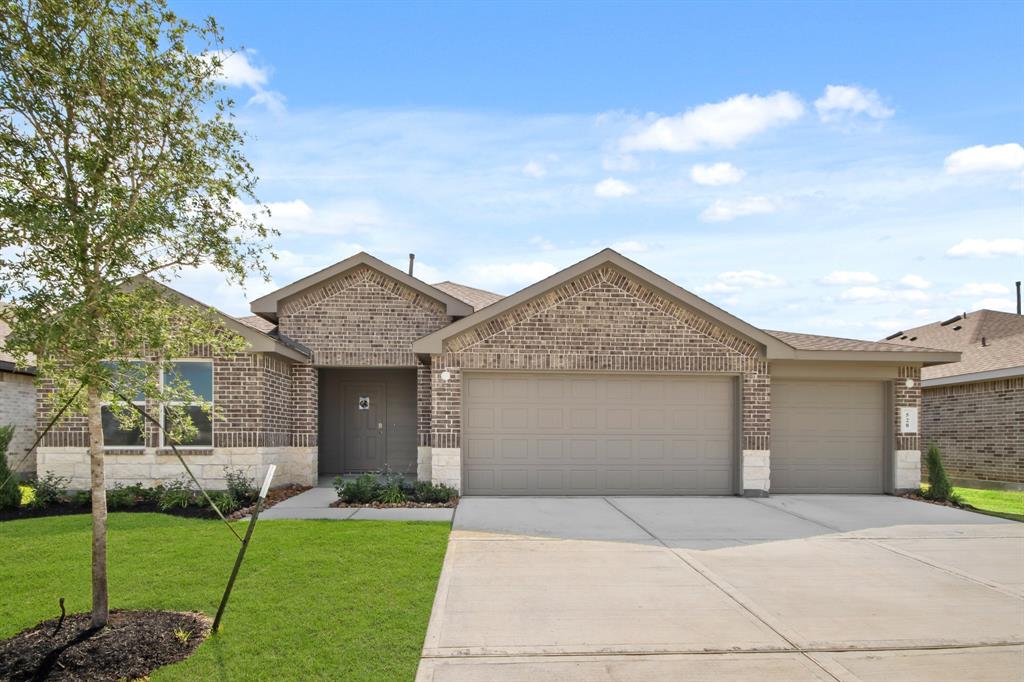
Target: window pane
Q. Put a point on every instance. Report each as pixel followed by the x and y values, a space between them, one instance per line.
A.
pixel 197 375
pixel 113 434
pixel 130 373
pixel 200 420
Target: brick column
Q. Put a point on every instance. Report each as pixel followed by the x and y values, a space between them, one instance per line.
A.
pixel 907 446
pixel 423 408
pixel 305 414
pixel 756 422
pixel 446 423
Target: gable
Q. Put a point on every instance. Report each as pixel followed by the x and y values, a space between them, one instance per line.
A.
pixel 604 311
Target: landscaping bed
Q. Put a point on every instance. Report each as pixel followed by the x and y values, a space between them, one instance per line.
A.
pixel 1007 504
pixel 130 647
pixel 388 490
pixel 296 612
pixel 396 505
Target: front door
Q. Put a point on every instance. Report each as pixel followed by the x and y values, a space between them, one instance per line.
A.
pixel 365 415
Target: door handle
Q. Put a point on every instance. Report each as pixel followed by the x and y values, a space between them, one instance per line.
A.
pixel 380 427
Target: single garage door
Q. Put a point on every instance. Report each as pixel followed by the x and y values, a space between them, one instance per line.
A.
pixel 827 436
pixel 562 434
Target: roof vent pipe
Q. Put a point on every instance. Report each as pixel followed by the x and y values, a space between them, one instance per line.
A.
pixel 1018 297
pixel 412 257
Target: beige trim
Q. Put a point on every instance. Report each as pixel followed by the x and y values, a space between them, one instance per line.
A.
pixel 433 344
pixel 798 369
pixel 988 375
pixel 922 357
pixel 266 306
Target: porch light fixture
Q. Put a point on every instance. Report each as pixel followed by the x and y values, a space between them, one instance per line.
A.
pixel 446 375
pixel 909 383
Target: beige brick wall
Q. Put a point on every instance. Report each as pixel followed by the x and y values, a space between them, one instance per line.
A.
pixel 603 320
pixel 18 407
pixel 979 427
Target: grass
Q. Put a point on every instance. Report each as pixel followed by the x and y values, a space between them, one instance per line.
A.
pixel 1006 503
pixel 314 600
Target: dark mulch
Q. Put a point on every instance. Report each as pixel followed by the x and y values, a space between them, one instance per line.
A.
pixel 381 505
pixel 274 496
pixel 191 512
pixel 942 503
pixel 133 644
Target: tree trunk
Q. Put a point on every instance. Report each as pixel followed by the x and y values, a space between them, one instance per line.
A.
pixel 100 609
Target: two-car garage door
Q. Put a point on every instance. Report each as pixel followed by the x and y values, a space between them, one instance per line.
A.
pixel 562 434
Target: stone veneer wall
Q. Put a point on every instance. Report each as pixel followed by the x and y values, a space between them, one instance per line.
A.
pixel 255 426
pixel 603 320
pixel 18 408
pixel 979 427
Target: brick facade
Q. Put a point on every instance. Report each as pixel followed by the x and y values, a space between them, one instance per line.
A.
pixel 979 428
pixel 17 408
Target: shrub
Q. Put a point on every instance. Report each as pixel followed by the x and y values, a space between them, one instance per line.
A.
pixel 50 490
pixel 360 491
pixel 225 501
pixel 939 487
pixel 124 496
pixel 241 487
pixel 10 496
pixel 433 493
pixel 392 493
pixel 176 494
pixel 82 498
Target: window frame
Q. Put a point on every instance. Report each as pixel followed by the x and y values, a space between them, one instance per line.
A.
pixel 137 403
pixel 211 402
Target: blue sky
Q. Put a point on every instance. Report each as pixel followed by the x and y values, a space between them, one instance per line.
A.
pixel 849 169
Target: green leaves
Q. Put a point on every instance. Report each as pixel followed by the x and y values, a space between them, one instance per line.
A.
pixel 119 163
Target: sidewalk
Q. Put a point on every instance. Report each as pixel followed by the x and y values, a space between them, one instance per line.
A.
pixel 314 504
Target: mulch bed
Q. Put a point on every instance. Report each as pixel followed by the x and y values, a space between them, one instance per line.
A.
pixel 133 644
pixel 274 496
pixel 400 505
pixel 192 512
pixel 942 503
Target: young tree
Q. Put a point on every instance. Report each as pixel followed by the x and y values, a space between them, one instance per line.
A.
pixel 120 165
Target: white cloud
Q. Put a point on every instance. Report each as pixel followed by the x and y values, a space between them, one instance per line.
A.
pixel 847 277
pixel 630 246
pixel 535 169
pixel 841 102
pixel 878 293
pixel 738 280
pixel 727 209
pixel 1005 304
pixel 289 210
pixel 499 275
pixel 719 125
pixel 981 289
pixel 987 248
pixel 542 243
pixel 621 162
pixel 610 188
pixel 237 71
pixel 982 159
pixel 721 173
pixel 915 281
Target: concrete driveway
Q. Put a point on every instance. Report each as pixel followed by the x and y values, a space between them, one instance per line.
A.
pixel 794 587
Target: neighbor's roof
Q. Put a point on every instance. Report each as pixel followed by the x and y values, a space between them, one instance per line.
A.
pixel 1001 355
pixel 7 363
pixel 478 298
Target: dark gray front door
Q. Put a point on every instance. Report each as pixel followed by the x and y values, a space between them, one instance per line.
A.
pixel 364 410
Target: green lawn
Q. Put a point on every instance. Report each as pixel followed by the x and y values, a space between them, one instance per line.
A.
pixel 315 599
pixel 1006 503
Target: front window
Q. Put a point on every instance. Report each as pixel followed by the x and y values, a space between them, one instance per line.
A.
pixel 115 434
pixel 197 375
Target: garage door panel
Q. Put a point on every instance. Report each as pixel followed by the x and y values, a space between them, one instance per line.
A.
pixel 565 434
pixel 827 437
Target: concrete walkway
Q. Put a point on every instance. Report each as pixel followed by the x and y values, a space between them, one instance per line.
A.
pixel 786 588
pixel 315 504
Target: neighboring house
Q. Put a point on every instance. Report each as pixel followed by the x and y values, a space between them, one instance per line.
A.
pixel 974 409
pixel 604 378
pixel 17 407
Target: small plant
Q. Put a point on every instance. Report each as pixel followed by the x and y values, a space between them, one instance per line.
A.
pixel 10 497
pixel 27 495
pixel 182 635
pixel 225 502
pixel 433 493
pixel 241 487
pixel 392 493
pixel 176 494
pixel 123 496
pixel 50 490
pixel 360 491
pixel 939 487
pixel 83 498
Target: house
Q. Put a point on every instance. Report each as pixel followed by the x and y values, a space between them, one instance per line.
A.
pixel 974 409
pixel 603 378
pixel 17 407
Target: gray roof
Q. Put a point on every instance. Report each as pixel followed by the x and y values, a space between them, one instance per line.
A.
pixel 1003 334
pixel 7 363
pixel 818 342
pixel 257 323
pixel 478 298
